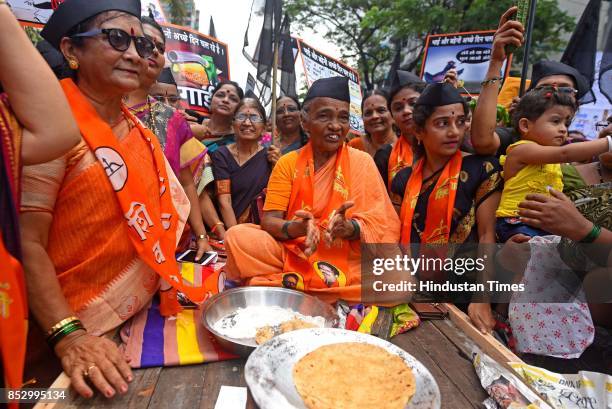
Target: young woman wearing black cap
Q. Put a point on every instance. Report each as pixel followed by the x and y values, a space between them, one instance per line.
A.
pixel 447 198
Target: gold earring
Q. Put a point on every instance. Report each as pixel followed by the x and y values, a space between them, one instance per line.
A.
pixel 73 64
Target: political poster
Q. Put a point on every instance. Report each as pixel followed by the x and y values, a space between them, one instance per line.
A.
pixel 319 65
pixel 198 63
pixel 37 12
pixel 468 53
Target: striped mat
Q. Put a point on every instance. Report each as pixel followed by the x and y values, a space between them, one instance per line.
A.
pixel 151 340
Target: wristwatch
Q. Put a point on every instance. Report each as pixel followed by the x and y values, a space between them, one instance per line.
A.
pixel 202 237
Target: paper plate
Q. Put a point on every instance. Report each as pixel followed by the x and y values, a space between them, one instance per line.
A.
pixel 269 369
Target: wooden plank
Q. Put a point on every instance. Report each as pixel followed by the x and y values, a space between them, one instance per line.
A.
pixel 229 373
pixel 455 364
pixel 62 382
pixel 452 396
pixel 179 387
pixel 487 343
pixel 138 396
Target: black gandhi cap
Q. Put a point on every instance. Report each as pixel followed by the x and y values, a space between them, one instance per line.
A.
pixel 406 78
pixel 72 12
pixel 333 87
pixel 543 69
pixel 166 77
pixel 440 94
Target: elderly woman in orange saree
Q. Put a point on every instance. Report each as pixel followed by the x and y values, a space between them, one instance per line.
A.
pixel 325 190
pixel 29 86
pixel 100 224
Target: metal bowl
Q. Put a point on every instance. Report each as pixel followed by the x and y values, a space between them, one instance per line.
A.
pixel 223 304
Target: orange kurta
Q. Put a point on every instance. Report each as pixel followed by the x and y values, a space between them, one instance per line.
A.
pixel 257 258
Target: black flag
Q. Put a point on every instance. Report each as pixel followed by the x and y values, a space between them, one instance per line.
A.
pixel 605 69
pixel 211 28
pixel 269 32
pixel 582 47
pixel 286 60
pixel 250 83
pixel 392 79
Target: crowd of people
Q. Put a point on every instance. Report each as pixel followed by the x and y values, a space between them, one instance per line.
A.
pixel 105 177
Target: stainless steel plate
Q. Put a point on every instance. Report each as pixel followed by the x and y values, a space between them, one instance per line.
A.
pixel 223 304
pixel 269 370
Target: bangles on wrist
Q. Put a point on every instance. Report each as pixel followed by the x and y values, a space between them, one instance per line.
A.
pixel 490 81
pixel 63 328
pixel 285 230
pixel 216 226
pixel 593 234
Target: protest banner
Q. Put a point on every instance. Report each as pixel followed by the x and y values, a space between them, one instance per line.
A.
pixel 198 63
pixel 468 53
pixel 319 65
pixel 589 115
pixel 37 12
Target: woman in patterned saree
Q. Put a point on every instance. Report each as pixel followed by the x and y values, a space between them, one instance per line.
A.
pixel 447 198
pixel 27 86
pixel 100 224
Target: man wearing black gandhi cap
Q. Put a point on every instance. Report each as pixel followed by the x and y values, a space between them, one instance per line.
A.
pixel 321 202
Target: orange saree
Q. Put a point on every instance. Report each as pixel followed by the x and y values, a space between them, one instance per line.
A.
pixel 257 258
pixel 100 270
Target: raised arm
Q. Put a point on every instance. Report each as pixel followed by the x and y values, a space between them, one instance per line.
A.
pixel 534 154
pixel 484 139
pixel 36 97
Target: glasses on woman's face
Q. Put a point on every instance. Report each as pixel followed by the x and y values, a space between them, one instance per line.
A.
pixel 168 99
pixel 254 118
pixel 287 110
pixel 121 40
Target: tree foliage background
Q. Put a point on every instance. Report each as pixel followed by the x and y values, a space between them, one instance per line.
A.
pixel 177 10
pixel 365 30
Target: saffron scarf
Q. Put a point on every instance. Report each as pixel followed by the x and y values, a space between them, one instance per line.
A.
pixel 401 157
pixel 152 227
pixel 439 206
pixel 13 305
pixel 302 196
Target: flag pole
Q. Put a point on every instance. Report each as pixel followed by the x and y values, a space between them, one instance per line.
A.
pixel 274 77
pixel 530 22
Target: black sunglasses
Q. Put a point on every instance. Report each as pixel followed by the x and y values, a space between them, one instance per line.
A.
pixel 120 40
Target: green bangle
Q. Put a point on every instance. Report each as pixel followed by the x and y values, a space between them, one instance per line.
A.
pixel 593 234
pixel 357 232
pixel 285 230
pixel 62 332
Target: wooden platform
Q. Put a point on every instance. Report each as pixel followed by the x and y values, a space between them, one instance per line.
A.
pixel 443 346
